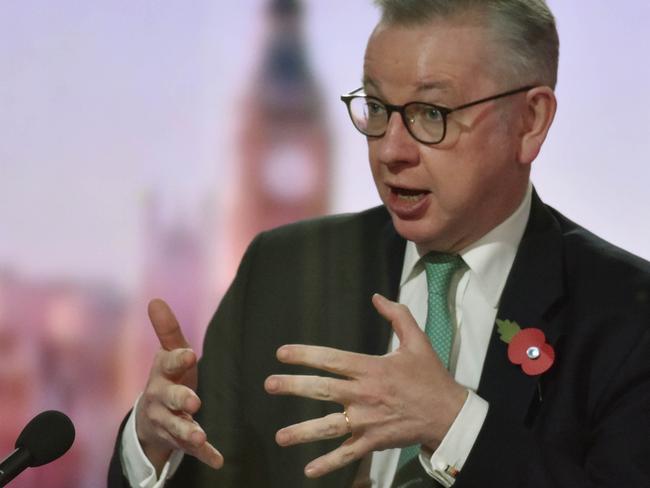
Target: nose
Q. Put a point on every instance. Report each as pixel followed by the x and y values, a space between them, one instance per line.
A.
pixel 397 148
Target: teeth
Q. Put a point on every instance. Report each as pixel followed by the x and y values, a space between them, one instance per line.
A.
pixel 410 198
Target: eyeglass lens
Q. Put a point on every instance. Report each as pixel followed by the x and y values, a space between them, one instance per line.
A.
pixel 424 121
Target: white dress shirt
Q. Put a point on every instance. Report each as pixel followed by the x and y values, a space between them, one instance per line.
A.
pixel 473 300
pixel 474 296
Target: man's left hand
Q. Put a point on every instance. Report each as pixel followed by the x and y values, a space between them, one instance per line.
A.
pixel 402 398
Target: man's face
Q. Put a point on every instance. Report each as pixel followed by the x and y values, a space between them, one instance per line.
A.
pixel 446 196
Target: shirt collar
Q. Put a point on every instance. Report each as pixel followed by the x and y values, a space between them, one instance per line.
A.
pixel 489 259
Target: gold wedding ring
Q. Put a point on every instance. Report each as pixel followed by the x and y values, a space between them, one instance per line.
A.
pixel 347 420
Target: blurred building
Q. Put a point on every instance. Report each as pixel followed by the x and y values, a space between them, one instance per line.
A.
pixel 177 265
pixel 80 346
pixel 59 342
pixel 284 169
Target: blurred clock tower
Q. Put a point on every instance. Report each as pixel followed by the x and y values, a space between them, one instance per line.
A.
pixel 283 170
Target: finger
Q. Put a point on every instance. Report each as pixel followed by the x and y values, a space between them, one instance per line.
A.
pixel 343 363
pixel 166 326
pixel 172 429
pixel 180 398
pixel 175 363
pixel 314 387
pixel 181 427
pixel 182 432
pixel 206 453
pixel 348 452
pixel 328 427
pixel 400 319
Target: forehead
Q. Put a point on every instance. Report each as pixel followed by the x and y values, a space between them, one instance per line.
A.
pixel 445 57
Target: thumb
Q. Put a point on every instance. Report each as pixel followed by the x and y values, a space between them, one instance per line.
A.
pixel 166 326
pixel 400 319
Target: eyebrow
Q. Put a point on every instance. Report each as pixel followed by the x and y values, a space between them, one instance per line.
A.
pixel 420 87
pixel 433 85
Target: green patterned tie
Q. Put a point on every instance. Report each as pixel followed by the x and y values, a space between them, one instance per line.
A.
pixel 440 269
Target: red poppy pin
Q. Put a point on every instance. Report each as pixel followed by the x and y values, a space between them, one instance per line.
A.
pixel 526 347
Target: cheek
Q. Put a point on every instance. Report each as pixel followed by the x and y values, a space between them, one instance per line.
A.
pixel 375 169
pixel 378 169
pixel 459 181
pixel 372 154
pixel 449 173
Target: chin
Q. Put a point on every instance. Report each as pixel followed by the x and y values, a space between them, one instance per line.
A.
pixel 423 233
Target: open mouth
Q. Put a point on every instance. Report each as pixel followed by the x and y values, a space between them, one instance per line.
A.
pixel 408 195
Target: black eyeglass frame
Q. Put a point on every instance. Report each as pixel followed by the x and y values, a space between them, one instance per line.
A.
pixel 401 109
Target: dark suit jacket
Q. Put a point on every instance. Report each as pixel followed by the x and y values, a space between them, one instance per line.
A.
pixel 586 422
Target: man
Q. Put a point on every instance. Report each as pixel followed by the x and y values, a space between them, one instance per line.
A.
pixel 302 381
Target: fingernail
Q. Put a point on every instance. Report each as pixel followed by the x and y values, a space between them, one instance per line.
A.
pixel 185 357
pixel 310 471
pixel 216 462
pixel 271 384
pixel 192 404
pixel 282 353
pixel 282 438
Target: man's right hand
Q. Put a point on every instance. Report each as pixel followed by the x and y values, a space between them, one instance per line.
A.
pixel 164 415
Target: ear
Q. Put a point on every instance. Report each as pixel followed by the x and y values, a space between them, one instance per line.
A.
pixel 538 115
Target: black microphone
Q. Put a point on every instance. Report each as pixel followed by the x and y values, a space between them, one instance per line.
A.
pixel 46 437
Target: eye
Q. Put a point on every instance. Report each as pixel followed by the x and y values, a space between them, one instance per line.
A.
pixel 374 108
pixel 424 114
pixel 432 114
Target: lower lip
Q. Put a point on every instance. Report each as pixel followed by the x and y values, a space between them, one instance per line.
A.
pixel 408 209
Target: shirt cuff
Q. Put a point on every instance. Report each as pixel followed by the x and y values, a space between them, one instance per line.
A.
pixel 136 466
pixel 447 461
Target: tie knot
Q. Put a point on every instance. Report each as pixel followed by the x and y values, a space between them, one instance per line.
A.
pixel 440 268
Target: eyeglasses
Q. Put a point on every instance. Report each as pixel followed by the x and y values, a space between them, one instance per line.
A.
pixel 427 123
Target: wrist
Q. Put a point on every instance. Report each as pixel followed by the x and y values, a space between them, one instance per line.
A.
pixel 156 456
pixel 456 398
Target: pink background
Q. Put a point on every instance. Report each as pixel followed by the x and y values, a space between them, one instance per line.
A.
pixel 119 149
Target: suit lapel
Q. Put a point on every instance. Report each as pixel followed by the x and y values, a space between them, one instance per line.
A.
pixel 392 253
pixel 382 270
pixel 532 298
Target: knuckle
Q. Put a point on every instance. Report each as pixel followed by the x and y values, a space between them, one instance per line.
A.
pixel 348 454
pixel 168 367
pixel 174 362
pixel 372 443
pixel 370 394
pixel 160 359
pixel 175 397
pixel 331 359
pixel 328 430
pixel 324 388
pixel 331 429
pixel 173 428
pixel 159 356
pixel 179 429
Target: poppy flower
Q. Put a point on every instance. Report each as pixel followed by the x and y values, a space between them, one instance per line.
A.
pixel 526 347
pixel 529 349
